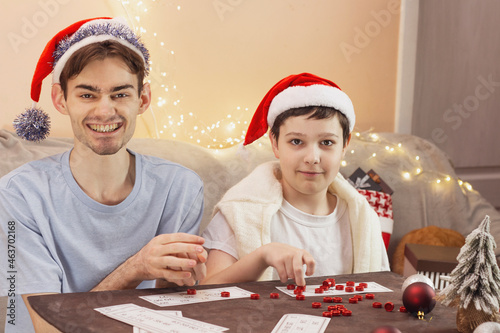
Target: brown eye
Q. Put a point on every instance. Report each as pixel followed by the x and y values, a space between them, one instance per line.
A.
pixel 327 143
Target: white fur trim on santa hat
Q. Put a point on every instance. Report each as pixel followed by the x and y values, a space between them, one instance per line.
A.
pixel 313 95
pixel 90 40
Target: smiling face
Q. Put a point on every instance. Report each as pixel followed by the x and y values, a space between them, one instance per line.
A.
pixel 102 102
pixel 310 152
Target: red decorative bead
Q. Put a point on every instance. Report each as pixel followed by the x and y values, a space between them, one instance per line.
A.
pixel 274 295
pixel 290 287
pixel 327 299
pixel 350 283
pixel 336 313
pixel 332 281
pixel 353 300
pixel 339 287
pixel 316 305
pixel 318 290
pixel 347 313
pixel 254 296
pixel 359 297
pixel 360 288
pixel 332 307
pixel 389 306
pixel 402 309
pixel 337 299
pixel 349 289
pixel 300 297
pixel 191 291
pixel 225 293
pixel 377 305
pixel 363 284
pixel 369 296
pixel 327 313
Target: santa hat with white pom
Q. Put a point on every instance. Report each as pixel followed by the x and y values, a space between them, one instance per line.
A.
pixel 34 124
pixel 294 91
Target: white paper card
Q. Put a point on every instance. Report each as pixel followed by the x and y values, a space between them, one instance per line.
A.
pixel 373 287
pixel 175 313
pixel 204 295
pixel 148 320
pixel 293 322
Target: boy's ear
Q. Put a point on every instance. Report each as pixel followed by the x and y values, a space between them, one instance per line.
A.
pixel 58 98
pixel 274 145
pixel 346 144
pixel 145 98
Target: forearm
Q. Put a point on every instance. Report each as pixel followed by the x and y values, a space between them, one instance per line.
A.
pixel 124 276
pixel 249 268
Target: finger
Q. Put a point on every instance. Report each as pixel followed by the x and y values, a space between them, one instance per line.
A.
pixel 174 275
pixel 173 261
pixel 202 257
pixel 179 238
pixel 298 271
pixel 282 273
pixel 177 249
pixel 187 282
pixel 310 264
pixel 199 272
pixel 190 281
pixel 289 268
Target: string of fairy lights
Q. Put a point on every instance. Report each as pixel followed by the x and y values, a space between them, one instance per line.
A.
pixel 417 171
pixel 168 120
pixel 171 122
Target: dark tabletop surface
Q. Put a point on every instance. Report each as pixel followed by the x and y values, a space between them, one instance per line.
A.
pixel 75 312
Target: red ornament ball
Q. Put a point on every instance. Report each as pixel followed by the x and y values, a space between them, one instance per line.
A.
pixel 419 296
pixel 386 329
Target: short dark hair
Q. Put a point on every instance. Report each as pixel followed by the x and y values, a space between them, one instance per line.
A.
pixel 314 112
pixel 100 51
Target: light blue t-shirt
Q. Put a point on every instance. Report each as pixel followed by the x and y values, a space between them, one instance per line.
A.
pixel 60 240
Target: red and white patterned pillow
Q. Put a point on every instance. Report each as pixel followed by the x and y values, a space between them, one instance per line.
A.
pixel 382 204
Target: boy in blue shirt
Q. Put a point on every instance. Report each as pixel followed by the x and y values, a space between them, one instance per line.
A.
pixel 97 217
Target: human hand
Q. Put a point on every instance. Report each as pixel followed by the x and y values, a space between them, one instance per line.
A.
pixel 198 272
pixel 288 261
pixel 177 258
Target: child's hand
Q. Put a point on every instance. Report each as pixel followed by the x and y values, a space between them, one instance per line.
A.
pixel 288 261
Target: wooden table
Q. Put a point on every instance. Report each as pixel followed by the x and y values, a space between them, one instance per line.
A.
pixel 75 312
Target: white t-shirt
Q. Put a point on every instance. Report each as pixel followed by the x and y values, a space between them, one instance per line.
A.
pixel 326 238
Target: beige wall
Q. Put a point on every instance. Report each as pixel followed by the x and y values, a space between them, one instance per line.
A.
pixel 226 55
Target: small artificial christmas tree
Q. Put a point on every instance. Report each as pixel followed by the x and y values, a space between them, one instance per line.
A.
pixel 475 283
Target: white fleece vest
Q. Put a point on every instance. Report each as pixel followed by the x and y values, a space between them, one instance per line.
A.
pixel 250 205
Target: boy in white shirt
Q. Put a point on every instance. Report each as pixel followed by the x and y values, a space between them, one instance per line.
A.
pixel 298 211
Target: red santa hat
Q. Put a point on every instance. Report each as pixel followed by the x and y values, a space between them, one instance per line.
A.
pixel 294 91
pixel 34 124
